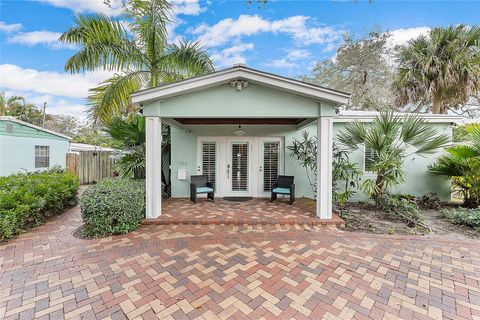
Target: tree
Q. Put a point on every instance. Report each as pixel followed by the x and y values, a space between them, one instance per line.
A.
pixel 6 103
pixel 136 47
pixel 391 138
pixel 63 124
pixel 345 175
pixel 26 112
pixel 91 134
pixel 441 69
pixel 131 134
pixel 360 67
pixel 462 165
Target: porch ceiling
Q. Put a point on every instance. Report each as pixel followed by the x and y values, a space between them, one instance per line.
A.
pixel 253 121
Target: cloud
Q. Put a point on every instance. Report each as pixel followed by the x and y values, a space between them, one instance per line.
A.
pixel 293 59
pixel 297 27
pixel 186 7
pixel 82 6
pixel 232 55
pixel 402 36
pixel 283 63
pixel 13 77
pixel 55 105
pixel 7 28
pixel 298 54
pixel 47 38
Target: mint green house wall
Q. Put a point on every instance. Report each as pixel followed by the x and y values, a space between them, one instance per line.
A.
pixel 184 156
pixel 17 149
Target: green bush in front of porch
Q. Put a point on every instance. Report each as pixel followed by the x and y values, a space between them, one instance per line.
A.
pixel 113 206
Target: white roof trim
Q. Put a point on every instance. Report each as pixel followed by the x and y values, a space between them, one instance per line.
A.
pixel 240 72
pixel 89 147
pixel 368 116
pixel 12 119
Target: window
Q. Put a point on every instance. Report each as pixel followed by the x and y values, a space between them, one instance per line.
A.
pixel 42 156
pixel 9 127
pixel 270 164
pixel 370 157
pixel 209 160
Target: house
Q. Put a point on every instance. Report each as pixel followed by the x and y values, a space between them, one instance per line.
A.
pixel 25 147
pixel 234 125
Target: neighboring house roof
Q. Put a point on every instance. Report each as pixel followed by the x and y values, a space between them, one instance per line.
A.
pixel 367 116
pixel 12 119
pixel 89 147
pixel 240 72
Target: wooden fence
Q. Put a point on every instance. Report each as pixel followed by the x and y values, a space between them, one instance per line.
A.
pixel 91 166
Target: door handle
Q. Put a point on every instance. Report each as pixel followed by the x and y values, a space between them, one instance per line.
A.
pixel 228 171
pixel 260 168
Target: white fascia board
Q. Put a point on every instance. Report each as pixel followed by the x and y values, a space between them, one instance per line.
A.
pixel 222 77
pixel 431 118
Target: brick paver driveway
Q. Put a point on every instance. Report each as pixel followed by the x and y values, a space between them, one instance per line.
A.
pixel 238 272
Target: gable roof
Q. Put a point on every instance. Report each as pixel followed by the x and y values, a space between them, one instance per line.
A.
pixel 241 72
pixel 12 119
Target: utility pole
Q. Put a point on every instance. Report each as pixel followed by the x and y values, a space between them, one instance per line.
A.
pixel 43 120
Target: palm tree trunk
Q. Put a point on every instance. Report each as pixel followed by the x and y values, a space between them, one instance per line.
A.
pixel 437 104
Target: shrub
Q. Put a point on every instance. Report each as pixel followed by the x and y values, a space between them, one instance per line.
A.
pixel 462 216
pixel 27 200
pixel 113 206
pixel 345 175
pixel 429 200
pixel 401 208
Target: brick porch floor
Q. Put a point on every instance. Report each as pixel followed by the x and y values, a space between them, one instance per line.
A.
pixel 253 212
pixel 235 272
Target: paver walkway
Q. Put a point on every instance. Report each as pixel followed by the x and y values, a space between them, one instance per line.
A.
pixel 235 272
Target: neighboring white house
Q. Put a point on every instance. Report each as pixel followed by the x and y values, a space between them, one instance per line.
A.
pixel 235 125
pixel 25 147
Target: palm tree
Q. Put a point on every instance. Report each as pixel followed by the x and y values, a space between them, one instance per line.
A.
pixel 135 47
pixel 442 68
pixel 462 165
pixel 390 138
pixel 5 102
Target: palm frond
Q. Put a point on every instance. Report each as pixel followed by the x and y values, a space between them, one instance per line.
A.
pixel 353 135
pixel 104 44
pixel 186 59
pixel 111 98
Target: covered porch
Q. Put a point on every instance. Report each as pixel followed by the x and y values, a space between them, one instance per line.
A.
pixel 258 211
pixel 236 108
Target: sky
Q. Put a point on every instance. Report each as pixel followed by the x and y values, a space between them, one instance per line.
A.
pixel 283 37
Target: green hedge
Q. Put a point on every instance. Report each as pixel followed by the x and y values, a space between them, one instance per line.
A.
pixel 27 200
pixel 113 206
pixel 462 216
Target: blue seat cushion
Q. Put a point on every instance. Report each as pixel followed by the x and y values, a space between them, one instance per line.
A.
pixel 204 190
pixel 282 190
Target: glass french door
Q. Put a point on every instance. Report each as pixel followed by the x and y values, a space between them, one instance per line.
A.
pixel 238 167
pixel 270 161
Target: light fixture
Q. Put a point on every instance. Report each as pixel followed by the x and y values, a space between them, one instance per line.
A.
pixel 239 132
pixel 239 84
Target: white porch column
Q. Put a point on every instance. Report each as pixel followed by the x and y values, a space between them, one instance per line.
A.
pixel 324 166
pixel 153 167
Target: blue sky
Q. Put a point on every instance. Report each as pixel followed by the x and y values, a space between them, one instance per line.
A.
pixel 285 37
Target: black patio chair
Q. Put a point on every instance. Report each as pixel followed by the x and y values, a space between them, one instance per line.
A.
pixel 199 185
pixel 285 185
